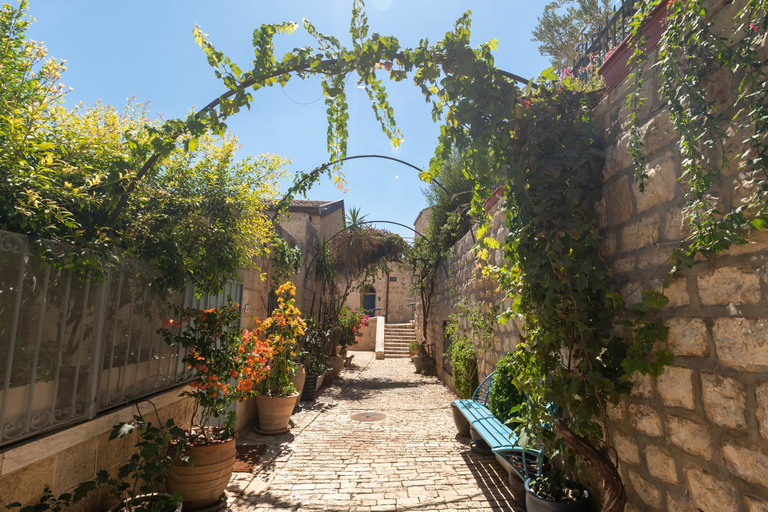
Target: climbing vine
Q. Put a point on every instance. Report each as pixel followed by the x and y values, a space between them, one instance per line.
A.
pixel 714 81
pixel 286 260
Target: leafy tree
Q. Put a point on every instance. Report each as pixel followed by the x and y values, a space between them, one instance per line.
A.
pixel 358 256
pixel 448 196
pixel 197 216
pixel 565 25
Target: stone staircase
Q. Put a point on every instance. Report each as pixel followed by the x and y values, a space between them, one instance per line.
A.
pixel 397 339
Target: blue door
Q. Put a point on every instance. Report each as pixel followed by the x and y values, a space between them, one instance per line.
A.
pixel 369 302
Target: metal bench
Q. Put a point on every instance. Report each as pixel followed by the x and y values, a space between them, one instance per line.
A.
pixel 500 438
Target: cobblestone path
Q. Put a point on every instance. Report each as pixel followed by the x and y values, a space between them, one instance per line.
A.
pixel 409 460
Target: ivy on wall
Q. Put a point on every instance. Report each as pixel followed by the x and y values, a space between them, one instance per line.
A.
pixel 721 119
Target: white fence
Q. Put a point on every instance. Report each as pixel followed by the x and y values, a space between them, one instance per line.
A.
pixel 70 349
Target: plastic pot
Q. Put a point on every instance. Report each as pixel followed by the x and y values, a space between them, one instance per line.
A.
pixel 534 503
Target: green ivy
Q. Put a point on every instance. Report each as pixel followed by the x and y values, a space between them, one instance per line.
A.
pixel 714 135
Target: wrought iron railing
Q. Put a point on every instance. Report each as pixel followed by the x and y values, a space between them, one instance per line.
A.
pixel 599 45
pixel 70 349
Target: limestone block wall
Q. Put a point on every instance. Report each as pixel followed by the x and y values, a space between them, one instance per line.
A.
pixel 366 342
pixel 393 294
pixel 460 277
pixel 696 438
pixel 64 459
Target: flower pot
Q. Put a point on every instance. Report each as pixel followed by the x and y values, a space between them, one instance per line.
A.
pixel 298 381
pixel 337 363
pixel 327 377
pixel 203 484
pixel 615 68
pixel 462 425
pixel 275 412
pixel 145 500
pixel 418 361
pixel 310 387
pixel 535 503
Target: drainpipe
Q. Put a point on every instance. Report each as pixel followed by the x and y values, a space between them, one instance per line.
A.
pixel 386 301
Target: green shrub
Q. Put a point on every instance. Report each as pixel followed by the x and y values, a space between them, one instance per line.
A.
pixel 504 395
pixel 463 359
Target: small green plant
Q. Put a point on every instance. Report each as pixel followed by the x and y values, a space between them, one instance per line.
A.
pixel 554 486
pixel 462 355
pixel 463 359
pixel 414 346
pixel 139 476
pixel 504 395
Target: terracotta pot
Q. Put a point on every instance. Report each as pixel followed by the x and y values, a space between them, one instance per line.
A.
pixel 143 500
pixel 418 361
pixel 462 424
pixel 337 363
pixel 203 484
pixel 275 412
pixel 614 69
pixel 327 377
pixel 298 381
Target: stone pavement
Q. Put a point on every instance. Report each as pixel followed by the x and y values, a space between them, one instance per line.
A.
pixel 411 459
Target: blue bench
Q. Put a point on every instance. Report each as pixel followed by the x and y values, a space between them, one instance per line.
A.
pixel 500 438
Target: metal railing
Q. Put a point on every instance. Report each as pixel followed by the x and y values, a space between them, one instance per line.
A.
pixel 70 349
pixel 599 45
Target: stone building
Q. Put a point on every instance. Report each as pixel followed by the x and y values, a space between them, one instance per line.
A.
pixel 308 224
pixel 388 296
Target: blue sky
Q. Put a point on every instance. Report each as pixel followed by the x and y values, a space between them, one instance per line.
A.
pixel 143 49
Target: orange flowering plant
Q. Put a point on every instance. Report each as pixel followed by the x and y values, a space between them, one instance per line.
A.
pixel 282 329
pixel 229 362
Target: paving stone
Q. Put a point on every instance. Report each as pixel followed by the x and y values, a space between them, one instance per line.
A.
pixel 411 459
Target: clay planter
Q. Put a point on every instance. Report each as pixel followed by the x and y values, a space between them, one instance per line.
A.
pixel 327 377
pixel 535 503
pixel 203 484
pixel 145 501
pixel 418 361
pixel 275 412
pixel 337 363
pixel 462 425
pixel 298 381
pixel 615 68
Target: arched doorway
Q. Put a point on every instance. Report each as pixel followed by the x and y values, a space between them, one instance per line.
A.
pixel 369 301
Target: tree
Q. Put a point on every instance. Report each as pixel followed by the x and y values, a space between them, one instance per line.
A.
pixel 566 25
pixel 449 203
pixel 197 216
pixel 354 219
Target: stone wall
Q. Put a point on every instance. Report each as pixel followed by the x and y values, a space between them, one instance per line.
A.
pixel 461 277
pixel 366 342
pixel 393 295
pixel 64 459
pixel 696 438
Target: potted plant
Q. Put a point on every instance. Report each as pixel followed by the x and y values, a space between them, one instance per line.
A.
pixel 278 397
pixel 311 348
pixel 552 492
pixel 134 488
pixel 228 362
pixel 414 349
